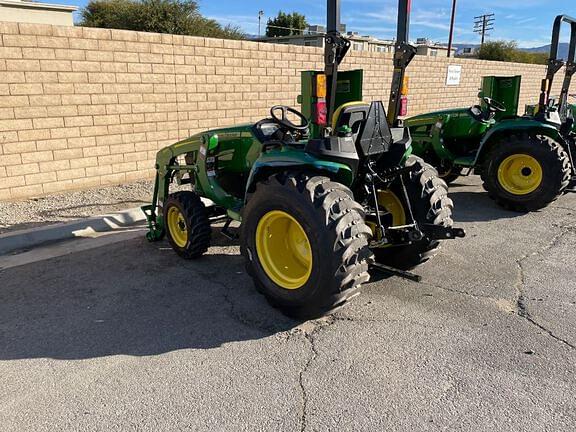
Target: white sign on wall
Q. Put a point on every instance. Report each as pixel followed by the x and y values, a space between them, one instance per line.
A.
pixel 454 75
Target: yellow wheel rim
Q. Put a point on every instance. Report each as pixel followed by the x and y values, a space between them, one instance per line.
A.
pixel 389 202
pixel 284 250
pixel 520 174
pixel 177 227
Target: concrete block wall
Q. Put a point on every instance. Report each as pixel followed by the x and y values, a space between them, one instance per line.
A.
pixel 84 107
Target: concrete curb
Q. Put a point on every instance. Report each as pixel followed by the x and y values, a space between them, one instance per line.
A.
pixel 89 227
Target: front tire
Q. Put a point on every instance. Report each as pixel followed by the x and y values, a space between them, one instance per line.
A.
pixel 187 224
pixel 305 243
pixel 430 204
pixel 527 173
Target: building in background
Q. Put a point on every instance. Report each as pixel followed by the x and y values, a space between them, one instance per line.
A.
pixel 314 36
pixel 428 48
pixel 467 51
pixel 36 13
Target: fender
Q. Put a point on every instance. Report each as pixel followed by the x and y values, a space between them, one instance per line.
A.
pixel 287 159
pixel 428 130
pixel 509 127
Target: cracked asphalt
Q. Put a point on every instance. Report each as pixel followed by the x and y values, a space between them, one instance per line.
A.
pixel 126 336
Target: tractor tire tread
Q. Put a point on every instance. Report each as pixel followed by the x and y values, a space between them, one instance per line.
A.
pixel 343 224
pixel 436 208
pixel 561 162
pixel 198 224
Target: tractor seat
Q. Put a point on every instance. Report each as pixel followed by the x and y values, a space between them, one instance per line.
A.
pixel 352 114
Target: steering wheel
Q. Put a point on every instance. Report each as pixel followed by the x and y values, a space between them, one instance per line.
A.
pixel 494 105
pixel 285 122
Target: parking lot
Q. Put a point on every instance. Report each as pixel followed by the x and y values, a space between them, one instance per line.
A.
pixel 126 336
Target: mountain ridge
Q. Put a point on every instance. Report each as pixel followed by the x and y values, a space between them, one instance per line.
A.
pixel 563 49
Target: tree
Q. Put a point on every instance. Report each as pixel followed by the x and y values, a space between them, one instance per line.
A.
pixel 158 16
pixel 286 24
pixel 508 52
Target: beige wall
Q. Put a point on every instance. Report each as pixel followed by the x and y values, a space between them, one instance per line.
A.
pixel 83 107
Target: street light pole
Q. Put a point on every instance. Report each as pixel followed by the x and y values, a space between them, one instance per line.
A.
pixel 453 19
pixel 260 15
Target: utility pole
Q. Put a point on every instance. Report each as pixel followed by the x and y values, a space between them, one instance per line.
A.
pixel 483 24
pixel 260 15
pixel 452 20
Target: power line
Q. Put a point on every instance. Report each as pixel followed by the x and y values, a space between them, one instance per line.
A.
pixel 483 24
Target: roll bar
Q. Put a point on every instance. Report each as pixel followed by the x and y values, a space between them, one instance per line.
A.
pixel 335 49
pixel 403 55
pixel 337 46
pixel 555 64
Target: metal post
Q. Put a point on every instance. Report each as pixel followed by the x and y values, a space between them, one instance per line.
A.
pixel 260 15
pixel 452 21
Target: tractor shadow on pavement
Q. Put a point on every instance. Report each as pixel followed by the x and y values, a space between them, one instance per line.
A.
pixel 476 206
pixel 132 298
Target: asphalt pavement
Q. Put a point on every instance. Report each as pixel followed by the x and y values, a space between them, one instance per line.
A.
pixel 125 336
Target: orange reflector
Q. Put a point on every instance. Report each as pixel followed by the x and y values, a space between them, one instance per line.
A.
pixel 321 87
pixel 405 86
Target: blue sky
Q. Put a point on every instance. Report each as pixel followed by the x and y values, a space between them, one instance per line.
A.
pixel 529 22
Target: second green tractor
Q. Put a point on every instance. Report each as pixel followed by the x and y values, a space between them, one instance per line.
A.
pixel 526 162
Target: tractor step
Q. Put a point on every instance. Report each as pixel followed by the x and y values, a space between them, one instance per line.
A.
pixel 467 161
pixel 396 272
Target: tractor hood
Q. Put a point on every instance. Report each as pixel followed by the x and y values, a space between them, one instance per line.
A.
pixel 434 116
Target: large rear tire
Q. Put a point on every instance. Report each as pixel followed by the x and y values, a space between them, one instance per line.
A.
pixel 305 243
pixel 430 205
pixel 187 224
pixel 526 173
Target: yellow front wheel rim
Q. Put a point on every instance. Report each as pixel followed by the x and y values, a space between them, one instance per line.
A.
pixel 520 174
pixel 284 250
pixel 177 226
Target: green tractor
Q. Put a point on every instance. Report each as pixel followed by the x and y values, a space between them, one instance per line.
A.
pixel 559 112
pixel 321 195
pixel 525 162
